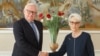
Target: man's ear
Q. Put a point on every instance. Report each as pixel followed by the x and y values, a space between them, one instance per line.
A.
pixel 24 11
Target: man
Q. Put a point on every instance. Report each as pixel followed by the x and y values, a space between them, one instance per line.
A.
pixel 28 33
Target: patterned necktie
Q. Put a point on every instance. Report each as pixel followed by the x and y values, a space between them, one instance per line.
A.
pixel 35 30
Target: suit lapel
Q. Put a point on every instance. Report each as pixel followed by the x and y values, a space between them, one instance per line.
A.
pixel 30 30
pixel 38 27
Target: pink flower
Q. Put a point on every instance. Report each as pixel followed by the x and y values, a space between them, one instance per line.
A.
pixel 60 13
pixel 41 16
pixel 48 16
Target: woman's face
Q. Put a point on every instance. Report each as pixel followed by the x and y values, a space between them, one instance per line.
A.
pixel 74 24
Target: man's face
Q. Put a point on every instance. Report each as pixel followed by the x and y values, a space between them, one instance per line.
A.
pixel 30 12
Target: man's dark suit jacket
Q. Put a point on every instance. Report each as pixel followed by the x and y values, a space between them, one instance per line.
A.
pixel 26 43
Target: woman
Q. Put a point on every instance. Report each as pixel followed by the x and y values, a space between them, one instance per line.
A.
pixel 77 43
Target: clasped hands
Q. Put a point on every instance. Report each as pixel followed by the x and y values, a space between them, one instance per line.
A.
pixel 43 54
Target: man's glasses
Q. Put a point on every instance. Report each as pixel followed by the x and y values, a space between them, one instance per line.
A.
pixel 33 12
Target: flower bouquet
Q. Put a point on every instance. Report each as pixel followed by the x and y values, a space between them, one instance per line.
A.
pixel 53 22
pixel 53 18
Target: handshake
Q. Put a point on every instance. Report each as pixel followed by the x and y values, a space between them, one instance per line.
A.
pixel 43 54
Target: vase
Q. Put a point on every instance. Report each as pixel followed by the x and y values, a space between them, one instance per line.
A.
pixel 53 36
pixel 53 46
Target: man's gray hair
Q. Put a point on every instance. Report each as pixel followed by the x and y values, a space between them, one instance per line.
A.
pixel 31 4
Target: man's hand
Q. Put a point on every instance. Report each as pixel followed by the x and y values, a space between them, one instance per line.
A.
pixel 43 54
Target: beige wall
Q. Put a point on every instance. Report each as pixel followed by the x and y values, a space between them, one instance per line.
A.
pixel 7 39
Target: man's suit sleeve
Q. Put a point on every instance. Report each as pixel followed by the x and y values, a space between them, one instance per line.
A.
pixel 21 42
